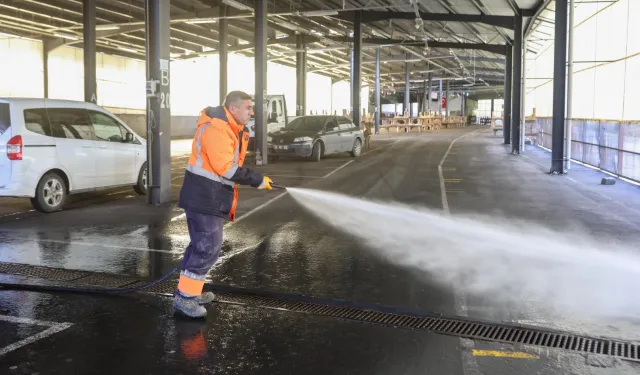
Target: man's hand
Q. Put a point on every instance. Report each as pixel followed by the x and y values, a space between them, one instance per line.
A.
pixel 266 183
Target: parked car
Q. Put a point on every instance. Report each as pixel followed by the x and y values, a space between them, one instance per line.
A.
pixel 316 136
pixel 52 148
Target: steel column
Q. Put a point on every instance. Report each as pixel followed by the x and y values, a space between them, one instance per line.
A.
pixel 304 79
pixel 357 68
pixel 261 102
pixel 378 105
pixel 559 86
pixel 516 89
pixel 462 104
pixel 424 96
pixel 300 80
pixel 407 90
pixel 89 46
pixel 351 105
pixel 491 115
pixel 45 69
pixel 440 99
pixel 508 71
pixel 446 102
pixel 223 47
pixel 429 77
pixel 157 13
pixel 569 126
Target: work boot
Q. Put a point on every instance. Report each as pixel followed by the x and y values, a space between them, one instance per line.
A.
pixel 188 306
pixel 205 298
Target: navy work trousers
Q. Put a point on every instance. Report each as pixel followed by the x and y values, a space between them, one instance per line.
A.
pixel 205 232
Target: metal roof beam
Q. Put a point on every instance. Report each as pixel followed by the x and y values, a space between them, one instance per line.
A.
pixel 374 16
pixel 495 48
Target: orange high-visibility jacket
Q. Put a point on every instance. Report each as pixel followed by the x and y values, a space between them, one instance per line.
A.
pixel 216 165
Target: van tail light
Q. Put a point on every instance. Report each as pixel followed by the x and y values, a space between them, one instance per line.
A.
pixel 14 148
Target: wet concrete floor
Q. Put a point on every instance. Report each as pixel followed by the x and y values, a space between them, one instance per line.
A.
pixel 280 247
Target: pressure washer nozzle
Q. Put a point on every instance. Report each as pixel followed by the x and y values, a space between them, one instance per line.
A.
pixel 276 186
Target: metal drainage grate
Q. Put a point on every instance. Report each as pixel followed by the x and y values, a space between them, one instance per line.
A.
pixel 450 326
pixel 54 274
pixel 366 314
pixel 107 281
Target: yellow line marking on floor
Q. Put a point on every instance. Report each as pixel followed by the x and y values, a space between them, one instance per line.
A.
pixel 503 354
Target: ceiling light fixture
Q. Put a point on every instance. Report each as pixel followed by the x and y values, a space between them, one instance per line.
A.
pixel 66 36
pixel 317 13
pixel 127 49
pixel 107 27
pixel 204 20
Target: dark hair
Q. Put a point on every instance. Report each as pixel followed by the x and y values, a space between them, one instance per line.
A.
pixel 235 97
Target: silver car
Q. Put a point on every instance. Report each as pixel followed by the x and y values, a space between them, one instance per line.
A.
pixel 316 136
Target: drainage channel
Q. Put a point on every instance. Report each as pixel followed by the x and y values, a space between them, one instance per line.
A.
pixel 379 315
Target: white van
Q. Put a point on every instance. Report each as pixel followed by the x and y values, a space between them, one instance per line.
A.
pixel 277 117
pixel 52 148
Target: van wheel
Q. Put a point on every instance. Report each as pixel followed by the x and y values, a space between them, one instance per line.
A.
pixel 316 152
pixel 141 186
pixel 51 193
pixel 357 148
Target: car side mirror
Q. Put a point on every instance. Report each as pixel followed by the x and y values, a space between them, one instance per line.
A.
pixel 128 138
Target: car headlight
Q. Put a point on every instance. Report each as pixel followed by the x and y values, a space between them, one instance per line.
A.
pixel 303 139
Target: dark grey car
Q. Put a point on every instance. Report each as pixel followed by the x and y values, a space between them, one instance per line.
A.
pixel 316 136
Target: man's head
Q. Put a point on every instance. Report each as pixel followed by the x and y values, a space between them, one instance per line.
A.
pixel 240 106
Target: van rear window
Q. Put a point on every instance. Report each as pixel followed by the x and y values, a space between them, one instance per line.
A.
pixel 5 119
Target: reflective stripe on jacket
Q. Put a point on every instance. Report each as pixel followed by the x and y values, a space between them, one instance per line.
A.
pixel 215 167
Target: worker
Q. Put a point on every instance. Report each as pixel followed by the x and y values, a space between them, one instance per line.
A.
pixel 367 135
pixel 209 193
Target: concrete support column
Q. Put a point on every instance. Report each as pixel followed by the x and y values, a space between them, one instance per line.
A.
pixel 516 103
pixel 89 47
pixel 559 87
pixel 357 67
pixel 508 71
pixel 407 89
pixel 157 13
pixel 378 105
pixel 223 47
pixel 261 102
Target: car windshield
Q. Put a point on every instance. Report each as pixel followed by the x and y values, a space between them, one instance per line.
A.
pixel 307 123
